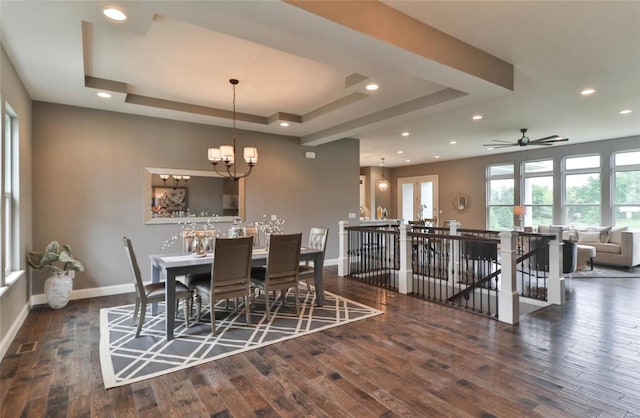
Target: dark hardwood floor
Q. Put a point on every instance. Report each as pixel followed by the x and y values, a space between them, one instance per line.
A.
pixel 418 359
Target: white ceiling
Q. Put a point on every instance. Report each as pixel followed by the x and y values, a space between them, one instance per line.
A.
pixel 293 62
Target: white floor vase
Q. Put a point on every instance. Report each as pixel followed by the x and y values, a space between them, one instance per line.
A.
pixel 58 288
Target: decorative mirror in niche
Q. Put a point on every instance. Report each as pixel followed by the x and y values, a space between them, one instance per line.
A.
pixel 461 202
pixel 175 195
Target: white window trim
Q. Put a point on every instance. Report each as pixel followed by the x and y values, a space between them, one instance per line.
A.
pixel 565 172
pixel 523 178
pixel 488 178
pixel 9 268
pixel 620 169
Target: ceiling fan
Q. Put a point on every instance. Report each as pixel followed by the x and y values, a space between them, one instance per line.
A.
pixel 524 141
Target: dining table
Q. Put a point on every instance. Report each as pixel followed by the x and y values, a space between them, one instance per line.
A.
pixel 170 266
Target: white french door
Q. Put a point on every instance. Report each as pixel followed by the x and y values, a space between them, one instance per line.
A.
pixel 416 193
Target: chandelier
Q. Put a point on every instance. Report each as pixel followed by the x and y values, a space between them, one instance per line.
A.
pixel 176 179
pixel 383 185
pixel 227 153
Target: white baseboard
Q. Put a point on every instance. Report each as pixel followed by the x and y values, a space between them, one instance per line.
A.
pixel 93 292
pixel 13 331
pixel 331 262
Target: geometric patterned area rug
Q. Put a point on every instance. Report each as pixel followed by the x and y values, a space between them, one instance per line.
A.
pixel 125 359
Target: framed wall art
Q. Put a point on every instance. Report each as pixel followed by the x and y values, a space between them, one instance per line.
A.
pixel 168 200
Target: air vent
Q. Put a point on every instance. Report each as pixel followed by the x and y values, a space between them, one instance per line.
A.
pixel 27 347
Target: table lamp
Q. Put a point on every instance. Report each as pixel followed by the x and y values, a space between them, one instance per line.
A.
pixel 519 212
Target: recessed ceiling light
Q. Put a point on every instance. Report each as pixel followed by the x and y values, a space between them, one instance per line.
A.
pixel 477 117
pixel 114 14
pixel 587 92
pixel 284 124
pixel 489 149
pixel 400 151
pixel 407 161
pixel 436 156
pixel 453 142
pixel 372 87
pixel 104 95
pixel 406 133
pixel 625 112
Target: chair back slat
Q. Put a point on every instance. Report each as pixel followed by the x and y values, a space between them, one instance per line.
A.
pixel 232 261
pixel 135 270
pixel 284 256
pixel 318 238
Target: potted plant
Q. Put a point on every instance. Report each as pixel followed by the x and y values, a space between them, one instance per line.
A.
pixel 59 261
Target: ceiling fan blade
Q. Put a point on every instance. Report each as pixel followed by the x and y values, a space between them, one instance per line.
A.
pixel 500 146
pixel 545 138
pixel 502 141
pixel 540 143
pixel 549 140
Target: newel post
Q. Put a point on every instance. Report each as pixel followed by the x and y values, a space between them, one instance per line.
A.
pixel 454 249
pixel 343 241
pixel 555 286
pixel 508 298
pixel 405 282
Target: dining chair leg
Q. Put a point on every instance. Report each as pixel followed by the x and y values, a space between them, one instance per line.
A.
pixel 266 303
pixel 212 311
pixel 187 310
pixel 296 291
pixel 143 311
pixel 135 311
pixel 198 300
pixel 247 308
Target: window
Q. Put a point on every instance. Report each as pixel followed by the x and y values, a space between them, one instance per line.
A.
pixel 8 152
pixel 582 190
pixel 626 189
pixel 537 192
pixel 500 196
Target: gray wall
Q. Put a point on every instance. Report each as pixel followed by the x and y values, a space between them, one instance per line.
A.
pixel 12 91
pixel 468 176
pixel 88 181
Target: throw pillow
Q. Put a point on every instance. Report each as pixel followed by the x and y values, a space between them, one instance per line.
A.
pixel 584 236
pixel 615 236
pixel 605 234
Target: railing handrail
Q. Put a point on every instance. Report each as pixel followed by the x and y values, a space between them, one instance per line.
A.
pixel 482 231
pixel 390 228
pixel 455 237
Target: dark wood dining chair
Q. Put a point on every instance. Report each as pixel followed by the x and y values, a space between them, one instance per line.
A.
pixel 230 276
pixel 317 241
pixel 281 271
pixel 152 292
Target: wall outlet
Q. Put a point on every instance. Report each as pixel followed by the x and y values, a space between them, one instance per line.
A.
pixel 274 217
pixel 352 215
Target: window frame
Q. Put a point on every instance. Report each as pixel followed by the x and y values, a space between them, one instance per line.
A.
pixel 9 169
pixel 489 178
pixel 524 175
pixel 615 169
pixel 579 171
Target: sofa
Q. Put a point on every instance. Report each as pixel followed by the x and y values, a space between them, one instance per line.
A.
pixel 614 246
